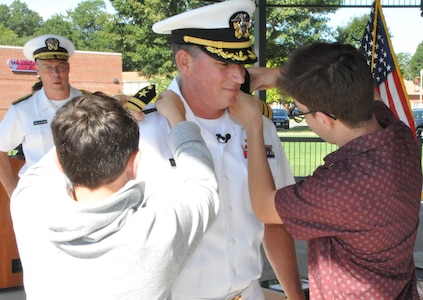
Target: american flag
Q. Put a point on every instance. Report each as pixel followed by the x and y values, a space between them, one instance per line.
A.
pixel 376 46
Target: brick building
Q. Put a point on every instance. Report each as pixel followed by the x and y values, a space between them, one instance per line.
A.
pixel 413 91
pixel 132 82
pixel 91 71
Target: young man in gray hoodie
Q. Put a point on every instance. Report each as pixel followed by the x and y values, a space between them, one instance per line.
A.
pixel 83 227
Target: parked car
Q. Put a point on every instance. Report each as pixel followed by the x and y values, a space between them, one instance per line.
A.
pixel 418 120
pixel 280 118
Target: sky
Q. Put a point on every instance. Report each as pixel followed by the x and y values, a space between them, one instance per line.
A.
pixel 404 24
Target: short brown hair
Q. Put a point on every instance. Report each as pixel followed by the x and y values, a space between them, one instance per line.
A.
pixel 333 78
pixel 94 135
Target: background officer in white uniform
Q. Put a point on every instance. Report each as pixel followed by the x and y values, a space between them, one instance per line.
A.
pixel 27 121
pixel 211 46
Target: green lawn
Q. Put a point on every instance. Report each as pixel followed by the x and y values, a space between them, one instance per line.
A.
pixel 304 156
pixel 300 130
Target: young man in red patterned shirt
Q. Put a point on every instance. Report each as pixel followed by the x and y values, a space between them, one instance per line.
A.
pixel 359 211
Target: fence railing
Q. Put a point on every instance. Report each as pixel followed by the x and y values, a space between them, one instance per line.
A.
pixel 305 154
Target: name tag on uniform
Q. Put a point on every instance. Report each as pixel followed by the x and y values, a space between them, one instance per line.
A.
pixel 40 122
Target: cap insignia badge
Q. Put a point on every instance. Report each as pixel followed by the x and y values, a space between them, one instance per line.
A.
pixel 52 44
pixel 240 22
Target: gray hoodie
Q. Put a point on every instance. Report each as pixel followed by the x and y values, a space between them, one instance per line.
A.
pixel 124 247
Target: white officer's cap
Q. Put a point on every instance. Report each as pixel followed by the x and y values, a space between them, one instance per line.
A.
pixel 49 46
pixel 222 30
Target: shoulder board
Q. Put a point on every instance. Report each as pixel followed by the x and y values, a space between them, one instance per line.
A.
pixel 22 99
pixel 85 92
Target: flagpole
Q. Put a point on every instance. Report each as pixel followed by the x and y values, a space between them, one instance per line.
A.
pixel 421 75
pixel 388 80
pixel 377 4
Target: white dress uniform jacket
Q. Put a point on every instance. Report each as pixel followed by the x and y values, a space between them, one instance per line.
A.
pixel 28 123
pixel 228 259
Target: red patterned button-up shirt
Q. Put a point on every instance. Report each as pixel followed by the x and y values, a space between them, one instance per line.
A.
pixel 360 212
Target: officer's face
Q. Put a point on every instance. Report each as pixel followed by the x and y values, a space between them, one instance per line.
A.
pixel 53 66
pixel 54 73
pixel 213 85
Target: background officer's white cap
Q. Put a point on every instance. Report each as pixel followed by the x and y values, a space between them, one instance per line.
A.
pixel 49 46
pixel 222 30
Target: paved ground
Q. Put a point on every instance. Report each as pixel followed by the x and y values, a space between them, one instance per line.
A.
pixel 418 254
pixel 420 281
pixel 418 249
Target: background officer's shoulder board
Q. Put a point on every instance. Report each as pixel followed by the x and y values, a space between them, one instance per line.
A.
pixel 22 99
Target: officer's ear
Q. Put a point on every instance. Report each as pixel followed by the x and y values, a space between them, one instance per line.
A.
pixel 183 60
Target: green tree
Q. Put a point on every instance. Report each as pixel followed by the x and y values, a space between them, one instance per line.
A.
pixel 416 62
pixel 288 28
pixel 20 19
pixel 142 49
pixel 352 33
pixel 57 24
pixel 149 53
pixel 4 14
pixel 404 59
pixel 8 37
pixel 89 19
pixel 88 26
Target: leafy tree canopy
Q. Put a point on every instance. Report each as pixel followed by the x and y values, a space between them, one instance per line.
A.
pixel 352 34
pixel 416 62
pixel 20 19
pixel 404 64
pixel 129 32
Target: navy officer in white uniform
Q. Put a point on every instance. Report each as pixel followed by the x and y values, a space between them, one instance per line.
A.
pixel 211 46
pixel 27 121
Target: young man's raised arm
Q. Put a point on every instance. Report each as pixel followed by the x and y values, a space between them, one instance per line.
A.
pixel 278 243
pixel 260 180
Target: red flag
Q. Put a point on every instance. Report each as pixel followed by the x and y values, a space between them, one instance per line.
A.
pixel 376 46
